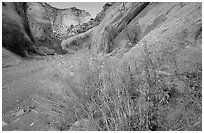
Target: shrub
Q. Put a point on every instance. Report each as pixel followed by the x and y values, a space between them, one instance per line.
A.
pixel 109 35
pixel 132 35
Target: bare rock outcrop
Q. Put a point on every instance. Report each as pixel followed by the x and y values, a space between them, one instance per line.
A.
pixel 114 18
pixel 68 18
pixel 86 25
pixel 41 29
pixel 37 27
pixel 14 35
pixel 64 20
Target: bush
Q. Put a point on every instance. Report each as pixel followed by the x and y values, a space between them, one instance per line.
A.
pixel 132 35
pixel 109 35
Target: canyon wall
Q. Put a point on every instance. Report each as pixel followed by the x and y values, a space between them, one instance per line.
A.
pixel 38 28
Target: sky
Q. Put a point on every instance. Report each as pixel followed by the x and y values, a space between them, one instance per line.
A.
pixel 92 7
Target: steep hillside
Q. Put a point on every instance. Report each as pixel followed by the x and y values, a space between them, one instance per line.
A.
pixel 160 45
pixel 116 18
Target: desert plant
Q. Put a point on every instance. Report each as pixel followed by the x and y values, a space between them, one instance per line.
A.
pixel 132 35
pixel 118 98
pixel 108 44
pixel 100 100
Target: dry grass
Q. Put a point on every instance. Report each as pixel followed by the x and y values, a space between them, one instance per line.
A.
pixel 114 98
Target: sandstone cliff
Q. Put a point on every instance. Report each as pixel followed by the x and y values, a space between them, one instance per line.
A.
pixel 126 24
pixel 14 25
pixel 63 20
pixel 39 28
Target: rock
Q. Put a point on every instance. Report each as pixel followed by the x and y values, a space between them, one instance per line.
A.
pixel 20 112
pixel 100 16
pixel 64 20
pixel 164 37
pixel 49 25
pixel 180 85
pixel 71 74
pixel 4 124
pixel 35 24
pixel 14 35
pixel 104 36
pixel 77 42
pixel 10 59
pixel 83 125
pixel 42 50
pixel 41 28
pixel 90 23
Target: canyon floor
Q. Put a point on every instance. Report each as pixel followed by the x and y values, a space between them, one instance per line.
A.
pixel 31 89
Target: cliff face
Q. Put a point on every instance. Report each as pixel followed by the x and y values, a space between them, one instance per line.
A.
pixel 39 27
pixel 126 24
pixel 113 20
pixel 14 25
pixel 66 19
pixel 48 23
